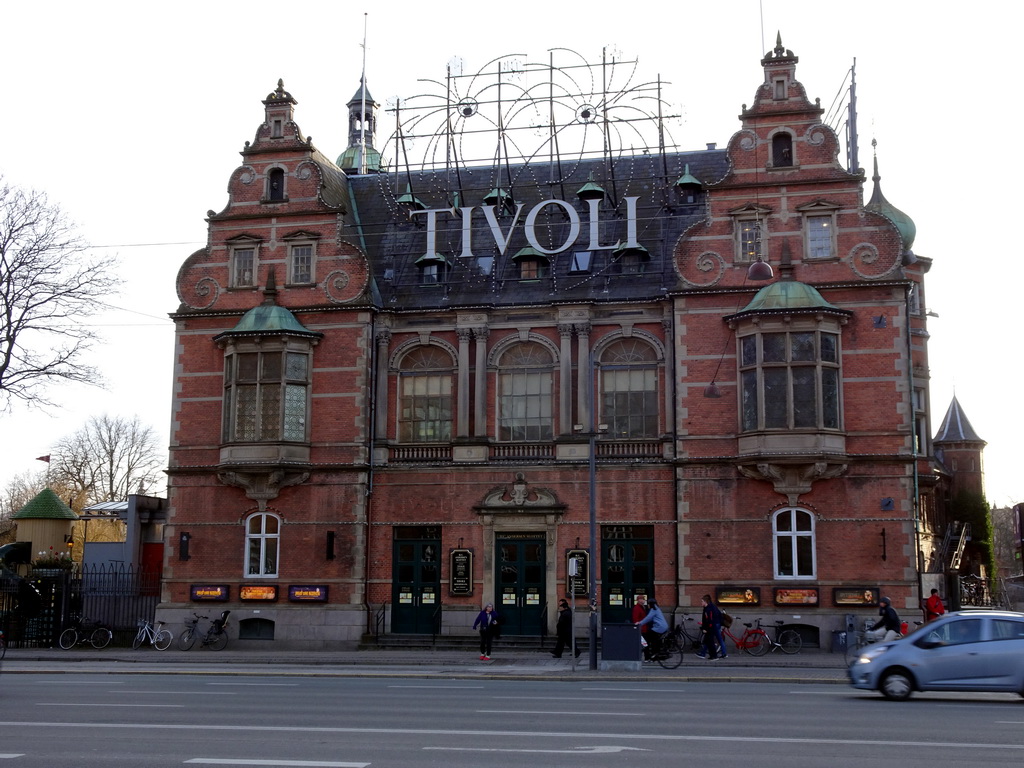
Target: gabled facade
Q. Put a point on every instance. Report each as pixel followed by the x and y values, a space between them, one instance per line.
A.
pixel 403 392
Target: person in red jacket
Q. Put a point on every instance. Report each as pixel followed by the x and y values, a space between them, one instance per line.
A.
pixel 933 607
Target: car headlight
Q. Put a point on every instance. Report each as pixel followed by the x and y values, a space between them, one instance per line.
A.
pixel 872 653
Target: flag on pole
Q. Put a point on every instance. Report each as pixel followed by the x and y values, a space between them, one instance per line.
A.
pixel 45 458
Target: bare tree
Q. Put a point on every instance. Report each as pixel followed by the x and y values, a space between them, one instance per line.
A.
pixel 47 287
pixel 108 459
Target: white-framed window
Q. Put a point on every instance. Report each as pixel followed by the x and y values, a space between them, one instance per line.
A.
pixel 794 546
pixel 266 395
pixel 425 399
pixel 262 545
pixel 630 402
pixel 243 266
pixel 790 380
pixel 525 378
pixel 300 264
pixel 820 240
pixel 750 237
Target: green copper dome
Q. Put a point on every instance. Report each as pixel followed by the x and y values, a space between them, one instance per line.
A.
pixel 878 204
pixel 788 296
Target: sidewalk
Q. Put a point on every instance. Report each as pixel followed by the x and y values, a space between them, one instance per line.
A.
pixel 810 666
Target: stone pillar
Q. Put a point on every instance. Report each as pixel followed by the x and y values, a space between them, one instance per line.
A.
pixel 480 395
pixel 462 404
pixel 380 426
pixel 565 410
pixel 585 383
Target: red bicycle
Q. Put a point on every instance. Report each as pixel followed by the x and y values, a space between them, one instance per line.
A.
pixel 754 640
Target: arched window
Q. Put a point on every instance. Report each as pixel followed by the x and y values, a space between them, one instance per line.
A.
pixel 275 185
pixel 262 544
pixel 524 393
pixel 782 150
pixel 425 396
pixel 793 535
pixel 629 389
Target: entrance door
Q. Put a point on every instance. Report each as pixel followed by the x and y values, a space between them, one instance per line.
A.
pixel 627 563
pixel 520 583
pixel 416 580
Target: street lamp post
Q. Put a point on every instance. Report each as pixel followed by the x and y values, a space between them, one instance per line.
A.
pixel 592 560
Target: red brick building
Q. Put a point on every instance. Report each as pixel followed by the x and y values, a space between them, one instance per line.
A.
pixel 390 376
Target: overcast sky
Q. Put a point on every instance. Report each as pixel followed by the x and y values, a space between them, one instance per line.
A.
pixel 130 116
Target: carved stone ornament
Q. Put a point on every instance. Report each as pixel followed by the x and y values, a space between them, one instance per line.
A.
pixel 264 486
pixel 520 496
pixel 792 480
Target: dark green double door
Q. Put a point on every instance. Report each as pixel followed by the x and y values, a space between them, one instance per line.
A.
pixel 416 585
pixel 520 593
pixel 627 564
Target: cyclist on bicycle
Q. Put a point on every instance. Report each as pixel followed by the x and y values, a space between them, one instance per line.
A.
pixel 887 628
pixel 659 626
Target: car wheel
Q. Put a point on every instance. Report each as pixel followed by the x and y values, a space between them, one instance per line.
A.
pixel 896 685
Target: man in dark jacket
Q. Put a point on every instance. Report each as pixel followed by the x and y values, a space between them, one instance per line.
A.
pixel 887 628
pixel 711 626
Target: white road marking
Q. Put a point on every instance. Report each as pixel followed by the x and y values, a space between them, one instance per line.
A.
pixel 10 756
pixel 288 763
pixel 556 712
pixel 573 751
pixel 103 706
pixel 441 687
pixel 261 685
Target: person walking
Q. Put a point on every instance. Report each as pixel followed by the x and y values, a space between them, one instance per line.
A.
pixel 488 622
pixel 711 626
pixel 639 612
pixel 563 630
pixel 933 607
pixel 659 626
pixel 887 628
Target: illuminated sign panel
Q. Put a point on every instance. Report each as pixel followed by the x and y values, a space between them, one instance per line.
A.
pixel 258 592
pixel 210 592
pixel 308 593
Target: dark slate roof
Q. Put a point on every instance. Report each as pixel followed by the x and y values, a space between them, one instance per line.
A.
pixel 395 244
pixel 45 506
pixel 955 427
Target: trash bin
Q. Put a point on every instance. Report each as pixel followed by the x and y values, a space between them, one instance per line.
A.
pixel 620 646
pixel 838 641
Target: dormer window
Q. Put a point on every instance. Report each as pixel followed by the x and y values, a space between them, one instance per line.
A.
pixel 782 150
pixel 275 185
pixel 433 268
pixel 532 265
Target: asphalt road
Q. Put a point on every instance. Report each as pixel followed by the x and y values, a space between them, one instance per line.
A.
pixel 85 719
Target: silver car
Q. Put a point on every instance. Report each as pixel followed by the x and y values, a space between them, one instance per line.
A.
pixel 962 651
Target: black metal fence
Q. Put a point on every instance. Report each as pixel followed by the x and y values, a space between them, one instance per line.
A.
pixel 34 610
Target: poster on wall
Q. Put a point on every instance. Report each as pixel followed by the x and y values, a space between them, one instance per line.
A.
pixel 855 596
pixel 576 572
pixel 738 595
pixel 460 572
pixel 307 593
pixel 796 596
pixel 265 592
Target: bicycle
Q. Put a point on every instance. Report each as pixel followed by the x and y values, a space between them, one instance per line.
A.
pixel 754 640
pixel 675 643
pixel 85 631
pixel 216 636
pixel 157 636
pixel 788 640
pixel 859 639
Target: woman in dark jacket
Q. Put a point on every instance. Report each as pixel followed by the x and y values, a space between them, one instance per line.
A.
pixel 711 624
pixel 563 630
pixel 487 621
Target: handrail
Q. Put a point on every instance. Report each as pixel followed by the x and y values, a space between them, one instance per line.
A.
pixel 436 623
pixel 379 620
